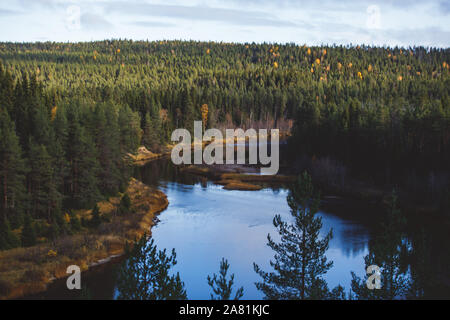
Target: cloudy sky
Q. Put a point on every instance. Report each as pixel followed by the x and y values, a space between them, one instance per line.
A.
pixel 382 22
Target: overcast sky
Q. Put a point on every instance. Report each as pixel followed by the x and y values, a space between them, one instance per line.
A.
pixel 383 22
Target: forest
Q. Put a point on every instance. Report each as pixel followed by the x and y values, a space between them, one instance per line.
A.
pixel 69 112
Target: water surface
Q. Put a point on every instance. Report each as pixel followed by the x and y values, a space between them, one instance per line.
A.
pixel 205 223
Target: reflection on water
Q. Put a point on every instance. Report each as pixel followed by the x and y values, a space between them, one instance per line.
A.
pixel 205 224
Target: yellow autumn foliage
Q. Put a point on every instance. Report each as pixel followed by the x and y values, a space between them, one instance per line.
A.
pixel 52 253
pixel 67 217
pixel 53 112
pixel 204 111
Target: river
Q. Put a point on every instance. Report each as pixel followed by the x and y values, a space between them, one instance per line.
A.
pixel 205 222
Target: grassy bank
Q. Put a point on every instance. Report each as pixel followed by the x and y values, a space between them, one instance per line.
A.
pixel 232 177
pixel 26 271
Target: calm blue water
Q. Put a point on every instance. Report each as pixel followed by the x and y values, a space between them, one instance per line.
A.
pixel 206 223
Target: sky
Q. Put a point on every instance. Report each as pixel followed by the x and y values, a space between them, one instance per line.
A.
pixel 381 23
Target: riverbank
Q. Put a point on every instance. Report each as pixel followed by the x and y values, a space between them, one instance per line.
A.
pixel 237 177
pixel 143 155
pixel 27 271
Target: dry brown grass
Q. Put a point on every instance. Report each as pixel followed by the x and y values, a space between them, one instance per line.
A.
pixel 239 185
pixel 26 271
pixel 258 178
pixel 230 184
pixel 144 155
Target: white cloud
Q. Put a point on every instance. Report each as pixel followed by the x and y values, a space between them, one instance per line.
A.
pixel 400 22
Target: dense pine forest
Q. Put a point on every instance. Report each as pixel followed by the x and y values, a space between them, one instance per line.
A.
pixel 69 112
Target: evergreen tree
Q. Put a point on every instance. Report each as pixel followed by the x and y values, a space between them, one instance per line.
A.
pixel 12 170
pixel 96 220
pixel 221 286
pixel 83 164
pixel 8 239
pixel 57 148
pixel 145 274
pixel 45 198
pixel 300 260
pixel 125 204
pixel 150 137
pixel 387 251
pixel 130 130
pixel 28 232
pixel 106 133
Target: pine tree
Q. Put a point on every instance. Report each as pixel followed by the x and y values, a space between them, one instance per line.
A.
pixel 106 133
pixel 96 219
pixel 130 130
pixel 12 170
pixel 83 164
pixel 221 286
pixel 145 274
pixel 387 251
pixel 45 197
pixel 8 239
pixel 300 260
pixel 57 148
pixel 125 204
pixel 150 137
pixel 28 232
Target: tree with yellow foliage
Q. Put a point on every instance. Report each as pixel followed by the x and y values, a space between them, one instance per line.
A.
pixel 204 110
